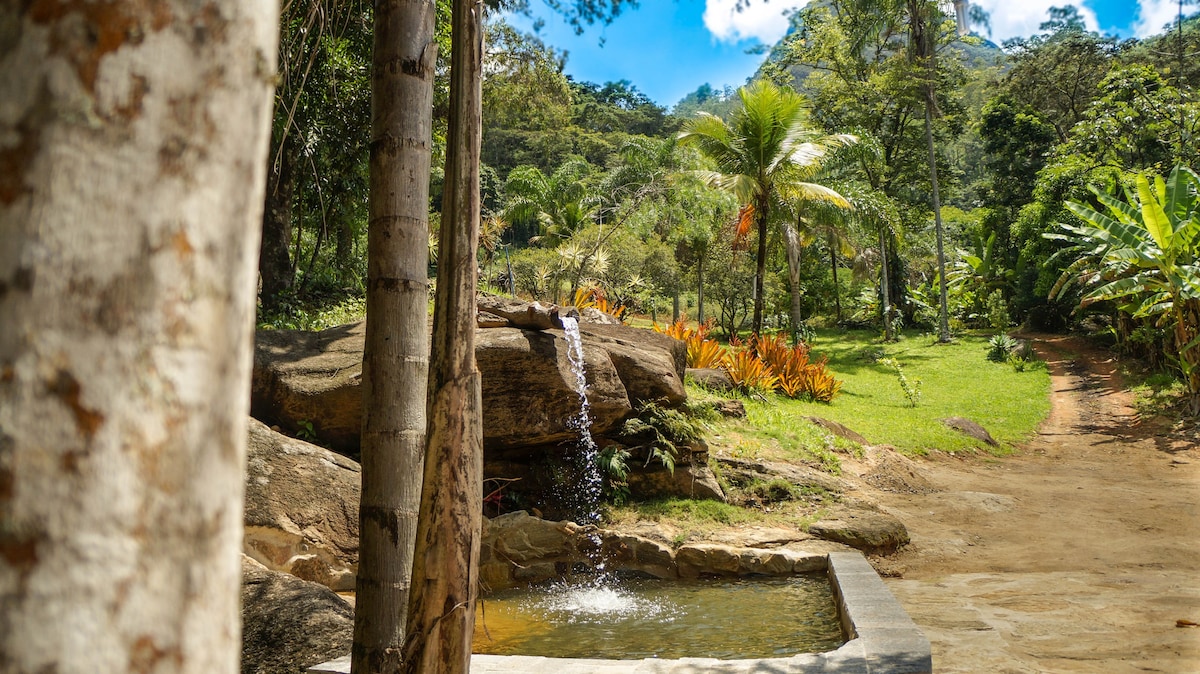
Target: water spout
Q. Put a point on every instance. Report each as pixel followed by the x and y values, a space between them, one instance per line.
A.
pixel 582 498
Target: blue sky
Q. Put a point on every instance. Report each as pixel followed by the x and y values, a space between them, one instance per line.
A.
pixel 668 48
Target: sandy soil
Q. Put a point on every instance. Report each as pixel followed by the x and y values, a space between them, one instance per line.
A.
pixel 1078 554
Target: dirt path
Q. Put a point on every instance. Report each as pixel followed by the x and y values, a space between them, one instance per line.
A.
pixel 1078 554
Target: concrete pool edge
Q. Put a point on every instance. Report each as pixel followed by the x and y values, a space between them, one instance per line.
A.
pixel 880 638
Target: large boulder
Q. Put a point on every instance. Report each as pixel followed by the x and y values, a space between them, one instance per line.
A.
pixel 303 377
pixel 310 381
pixel 529 395
pixel 288 624
pixel 650 364
pixel 301 509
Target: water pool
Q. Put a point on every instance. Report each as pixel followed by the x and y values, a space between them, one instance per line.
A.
pixel 735 618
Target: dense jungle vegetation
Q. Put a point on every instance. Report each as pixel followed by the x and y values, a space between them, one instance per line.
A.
pixel 803 199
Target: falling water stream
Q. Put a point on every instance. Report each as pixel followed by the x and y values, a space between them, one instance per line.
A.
pixel 598 594
pixel 599 615
pixel 582 498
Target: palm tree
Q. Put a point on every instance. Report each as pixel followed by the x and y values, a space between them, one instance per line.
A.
pixel 396 352
pixel 1144 251
pixel 828 225
pixel 923 19
pixel 561 203
pixel 765 156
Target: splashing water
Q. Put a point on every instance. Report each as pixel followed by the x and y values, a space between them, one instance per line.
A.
pixel 590 603
pixel 583 498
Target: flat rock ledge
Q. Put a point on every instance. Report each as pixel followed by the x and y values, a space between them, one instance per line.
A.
pixel 519 549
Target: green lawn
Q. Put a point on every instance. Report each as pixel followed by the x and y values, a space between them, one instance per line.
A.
pixel 955 380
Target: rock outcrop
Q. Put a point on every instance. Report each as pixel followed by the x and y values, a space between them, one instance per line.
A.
pixel 301 509
pixel 288 624
pixel 519 549
pixel 866 530
pixel 745 472
pixel 304 379
pixel 312 378
pixel 528 388
pixel 838 429
pixel 712 378
pixel 970 429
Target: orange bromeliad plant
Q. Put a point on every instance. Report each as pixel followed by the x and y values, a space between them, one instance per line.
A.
pixel 595 297
pixel 701 351
pixel 749 373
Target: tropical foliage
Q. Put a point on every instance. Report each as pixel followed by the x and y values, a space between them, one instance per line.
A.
pixel 803 198
pixel 766 157
pixel 1143 253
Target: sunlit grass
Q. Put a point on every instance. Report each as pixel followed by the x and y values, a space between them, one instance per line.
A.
pixel 955 380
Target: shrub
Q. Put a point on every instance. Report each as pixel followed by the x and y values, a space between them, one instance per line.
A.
pixel 702 352
pixel 795 375
pixel 999 348
pixel 595 297
pixel 749 373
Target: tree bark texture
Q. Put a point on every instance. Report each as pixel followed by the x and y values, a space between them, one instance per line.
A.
pixel 837 290
pixel 396 351
pixel 441 610
pixel 885 286
pixel 133 141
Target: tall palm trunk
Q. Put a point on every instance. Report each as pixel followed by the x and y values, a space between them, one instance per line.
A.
pixel 837 294
pixel 395 358
pixel 761 209
pixel 792 240
pixel 441 609
pixel 700 288
pixel 885 286
pixel 133 156
pixel 922 31
pixel 943 313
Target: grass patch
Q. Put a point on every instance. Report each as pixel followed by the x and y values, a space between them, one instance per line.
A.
pixel 694 513
pixel 1159 395
pixel 953 379
pixel 314 315
pixel 697 519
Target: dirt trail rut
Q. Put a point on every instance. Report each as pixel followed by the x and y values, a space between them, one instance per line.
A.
pixel 1078 554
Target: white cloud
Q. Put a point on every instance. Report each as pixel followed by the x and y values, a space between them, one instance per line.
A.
pixel 758 19
pixel 1021 18
pixel 1153 15
pixel 764 20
